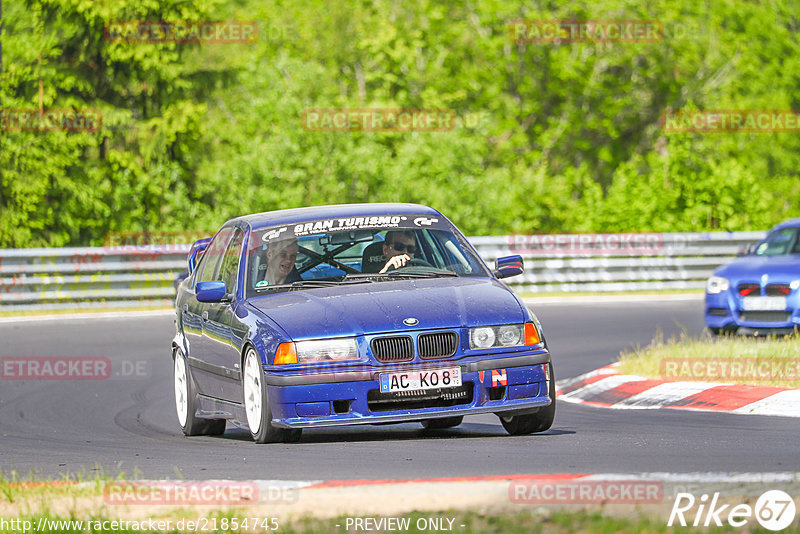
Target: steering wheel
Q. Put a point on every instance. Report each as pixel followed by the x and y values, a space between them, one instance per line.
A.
pixel 413 262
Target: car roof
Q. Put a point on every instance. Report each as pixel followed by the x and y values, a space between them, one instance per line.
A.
pixel 791 223
pixel 297 215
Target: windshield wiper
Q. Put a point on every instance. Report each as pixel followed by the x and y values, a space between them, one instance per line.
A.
pixel 305 284
pixel 326 283
pixel 402 274
pixel 420 274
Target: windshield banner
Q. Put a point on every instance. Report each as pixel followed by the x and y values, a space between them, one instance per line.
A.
pixel 376 222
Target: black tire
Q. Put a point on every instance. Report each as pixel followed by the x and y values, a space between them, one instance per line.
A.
pixel 257 410
pixel 186 394
pixel 714 331
pixel 519 425
pixel 444 422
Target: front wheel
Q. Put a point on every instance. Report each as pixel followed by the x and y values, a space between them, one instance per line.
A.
pixel 518 425
pixel 186 403
pixel 256 404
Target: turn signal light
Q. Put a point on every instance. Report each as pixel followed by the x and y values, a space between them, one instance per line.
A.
pixel 531 335
pixel 286 354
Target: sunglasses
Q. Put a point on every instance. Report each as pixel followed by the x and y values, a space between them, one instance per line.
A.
pixel 402 247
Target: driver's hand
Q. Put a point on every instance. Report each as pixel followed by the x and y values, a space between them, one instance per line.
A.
pixel 395 263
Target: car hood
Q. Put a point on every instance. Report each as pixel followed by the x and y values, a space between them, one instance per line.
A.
pixel 779 268
pixel 380 307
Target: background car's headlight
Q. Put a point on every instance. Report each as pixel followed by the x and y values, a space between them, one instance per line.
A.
pixel 322 350
pixel 717 284
pixel 510 335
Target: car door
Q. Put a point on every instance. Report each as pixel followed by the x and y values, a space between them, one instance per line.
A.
pixel 221 344
pixel 195 313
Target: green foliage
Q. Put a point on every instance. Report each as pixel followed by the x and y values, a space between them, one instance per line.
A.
pixel 548 138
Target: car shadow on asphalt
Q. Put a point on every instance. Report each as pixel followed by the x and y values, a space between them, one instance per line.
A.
pixel 396 432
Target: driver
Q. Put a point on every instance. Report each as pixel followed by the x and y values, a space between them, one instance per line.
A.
pixel 399 247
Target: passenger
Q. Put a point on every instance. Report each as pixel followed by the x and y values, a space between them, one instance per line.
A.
pixel 281 256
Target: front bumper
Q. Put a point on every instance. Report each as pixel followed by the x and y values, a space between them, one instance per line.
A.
pixel 724 310
pixel 517 385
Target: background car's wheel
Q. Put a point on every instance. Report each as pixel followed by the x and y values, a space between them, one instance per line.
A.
pixel 714 331
pixel 256 404
pixel 444 422
pixel 518 425
pixel 186 403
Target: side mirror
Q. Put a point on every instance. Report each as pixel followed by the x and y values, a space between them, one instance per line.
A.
pixel 746 249
pixel 508 266
pixel 196 251
pixel 210 291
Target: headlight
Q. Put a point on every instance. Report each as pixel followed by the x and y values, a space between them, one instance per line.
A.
pixel 318 350
pixel 327 350
pixel 510 335
pixel 481 338
pixel 795 284
pixel 717 284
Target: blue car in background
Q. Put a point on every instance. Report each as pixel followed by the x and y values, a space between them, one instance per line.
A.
pixel 344 336
pixel 759 292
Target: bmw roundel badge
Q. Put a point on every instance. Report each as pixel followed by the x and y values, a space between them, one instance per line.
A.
pixel 410 321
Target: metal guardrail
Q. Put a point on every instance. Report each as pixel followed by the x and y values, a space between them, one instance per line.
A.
pixel 143 276
pixel 616 262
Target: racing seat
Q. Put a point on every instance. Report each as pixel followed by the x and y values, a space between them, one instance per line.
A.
pixel 372 259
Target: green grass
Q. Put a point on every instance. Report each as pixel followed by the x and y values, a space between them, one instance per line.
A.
pixel 17 488
pixel 517 520
pixel 72 311
pixel 771 361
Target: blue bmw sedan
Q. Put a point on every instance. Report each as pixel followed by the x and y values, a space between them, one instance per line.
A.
pixel 353 314
pixel 760 291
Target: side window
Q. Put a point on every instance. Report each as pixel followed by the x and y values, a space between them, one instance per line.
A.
pixel 430 246
pixel 230 262
pixel 212 256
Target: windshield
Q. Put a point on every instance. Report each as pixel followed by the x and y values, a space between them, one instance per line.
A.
pixel 785 241
pixel 330 252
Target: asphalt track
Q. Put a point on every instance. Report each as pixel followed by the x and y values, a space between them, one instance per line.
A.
pixel 128 423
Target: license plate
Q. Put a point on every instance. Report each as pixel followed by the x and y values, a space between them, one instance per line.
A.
pixel 421 380
pixel 764 303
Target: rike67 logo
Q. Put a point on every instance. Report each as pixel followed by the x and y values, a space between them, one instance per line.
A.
pixel 774 510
